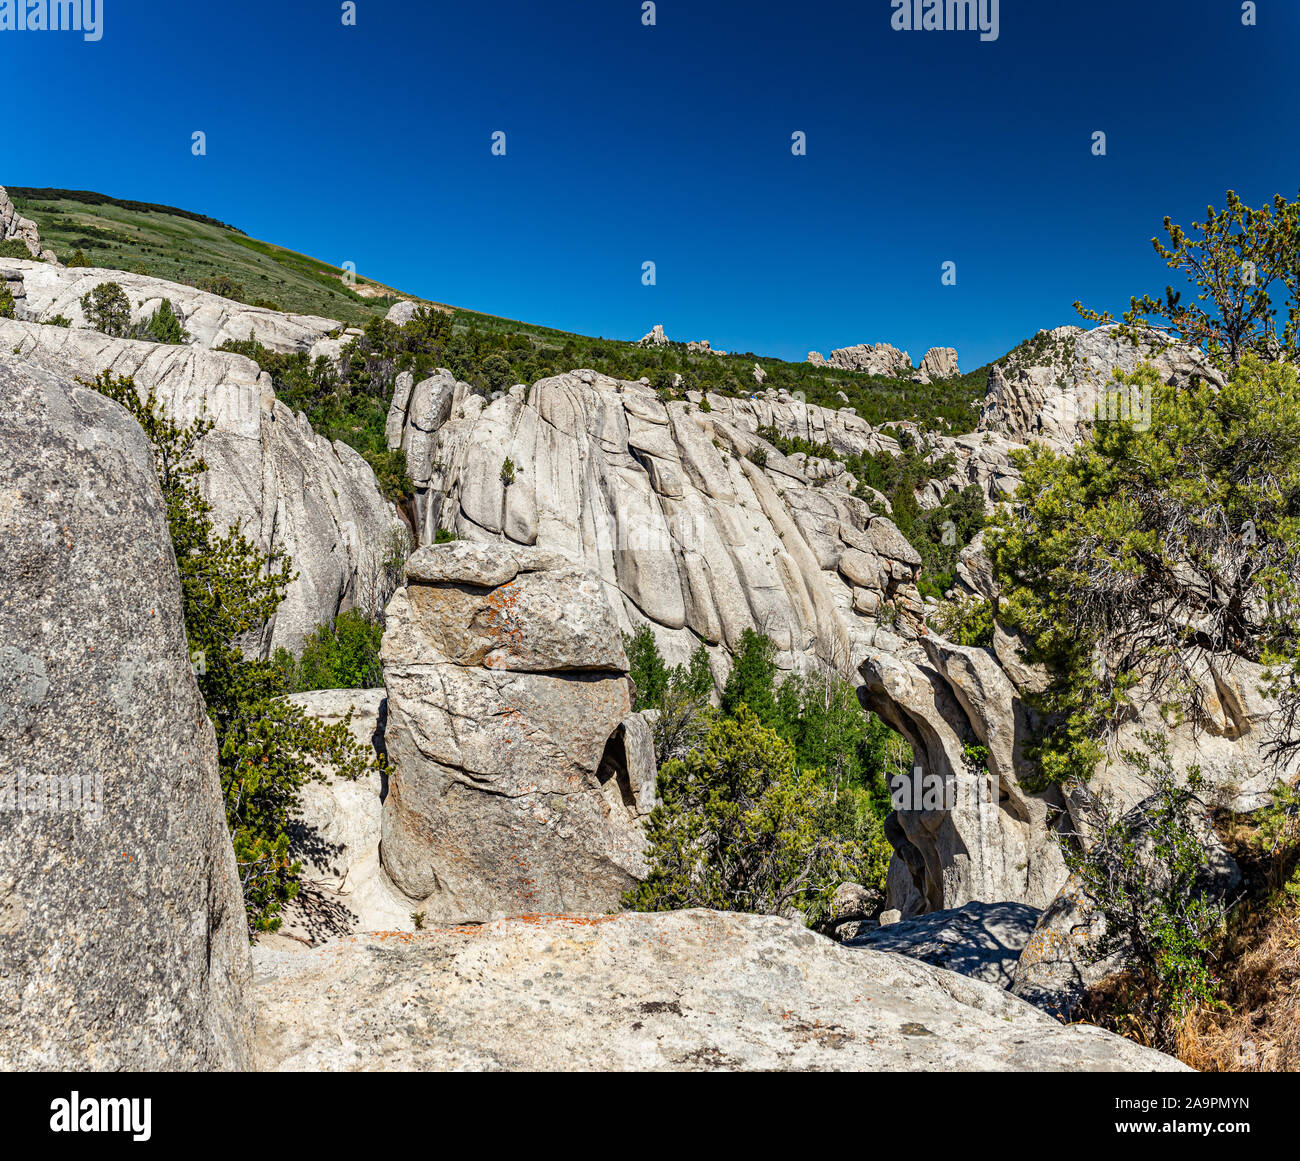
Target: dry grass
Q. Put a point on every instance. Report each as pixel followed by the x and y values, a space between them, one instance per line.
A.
pixel 1255 1026
pixel 1260 1029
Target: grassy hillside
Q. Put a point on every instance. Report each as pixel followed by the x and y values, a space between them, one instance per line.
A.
pixel 165 242
pixel 488 352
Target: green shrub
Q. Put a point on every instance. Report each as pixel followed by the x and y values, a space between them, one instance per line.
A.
pixel 108 309
pixel 14 248
pixel 444 536
pixel 7 305
pixel 223 286
pixel 1147 877
pixel 740 828
pixel 508 472
pixel 341 655
pixel 1205 490
pixel 752 679
pixel 966 620
pixel 165 326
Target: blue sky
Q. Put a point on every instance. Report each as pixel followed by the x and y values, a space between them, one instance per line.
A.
pixel 672 144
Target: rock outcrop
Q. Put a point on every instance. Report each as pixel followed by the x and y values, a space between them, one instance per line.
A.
pixel 878 359
pixel 14 227
pixel 336 835
pixel 1053 388
pixel 295 491
pixel 688 990
pixel 939 363
pixel 964 829
pixel 667 505
pixel 123 942
pixel 516 784
pixel 53 291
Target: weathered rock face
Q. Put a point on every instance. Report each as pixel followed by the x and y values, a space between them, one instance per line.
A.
pixel 986 838
pixel 658 500
pixel 688 990
pixel 877 359
pixel 295 491
pixel 1053 391
pixel 939 363
pixel 981 940
pixel 336 836
pixel 123 942
pixel 13 226
pixel 211 320
pixel 515 786
pixel 966 830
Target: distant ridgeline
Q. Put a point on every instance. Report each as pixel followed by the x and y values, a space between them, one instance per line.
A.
pixel 90 198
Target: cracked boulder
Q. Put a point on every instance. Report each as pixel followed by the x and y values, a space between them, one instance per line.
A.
pixel 520 776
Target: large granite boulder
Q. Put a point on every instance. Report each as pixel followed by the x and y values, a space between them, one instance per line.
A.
pixel 686 990
pixel 515 785
pixel 123 941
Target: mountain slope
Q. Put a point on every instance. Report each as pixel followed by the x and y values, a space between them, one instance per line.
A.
pixel 175 244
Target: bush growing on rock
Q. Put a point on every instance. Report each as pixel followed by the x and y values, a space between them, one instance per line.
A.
pixel 1147 877
pixel 269 748
pixel 108 309
pixel 342 655
pixel 6 302
pixel 966 621
pixel 1143 546
pixel 164 326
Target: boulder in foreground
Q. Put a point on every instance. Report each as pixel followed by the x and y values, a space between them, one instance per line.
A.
pixel 123 941
pixel 687 990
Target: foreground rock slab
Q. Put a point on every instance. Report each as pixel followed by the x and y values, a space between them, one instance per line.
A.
pixel 690 990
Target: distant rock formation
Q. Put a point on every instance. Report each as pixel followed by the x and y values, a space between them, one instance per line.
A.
pixel 657 338
pixel 520 779
pixel 880 359
pixel 939 363
pixel 123 940
pixel 14 227
pixel 1052 388
pixel 686 990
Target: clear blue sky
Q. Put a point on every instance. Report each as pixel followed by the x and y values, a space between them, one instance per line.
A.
pixel 671 144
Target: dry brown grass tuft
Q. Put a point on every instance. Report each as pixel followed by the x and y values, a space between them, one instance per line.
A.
pixel 1260 1030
